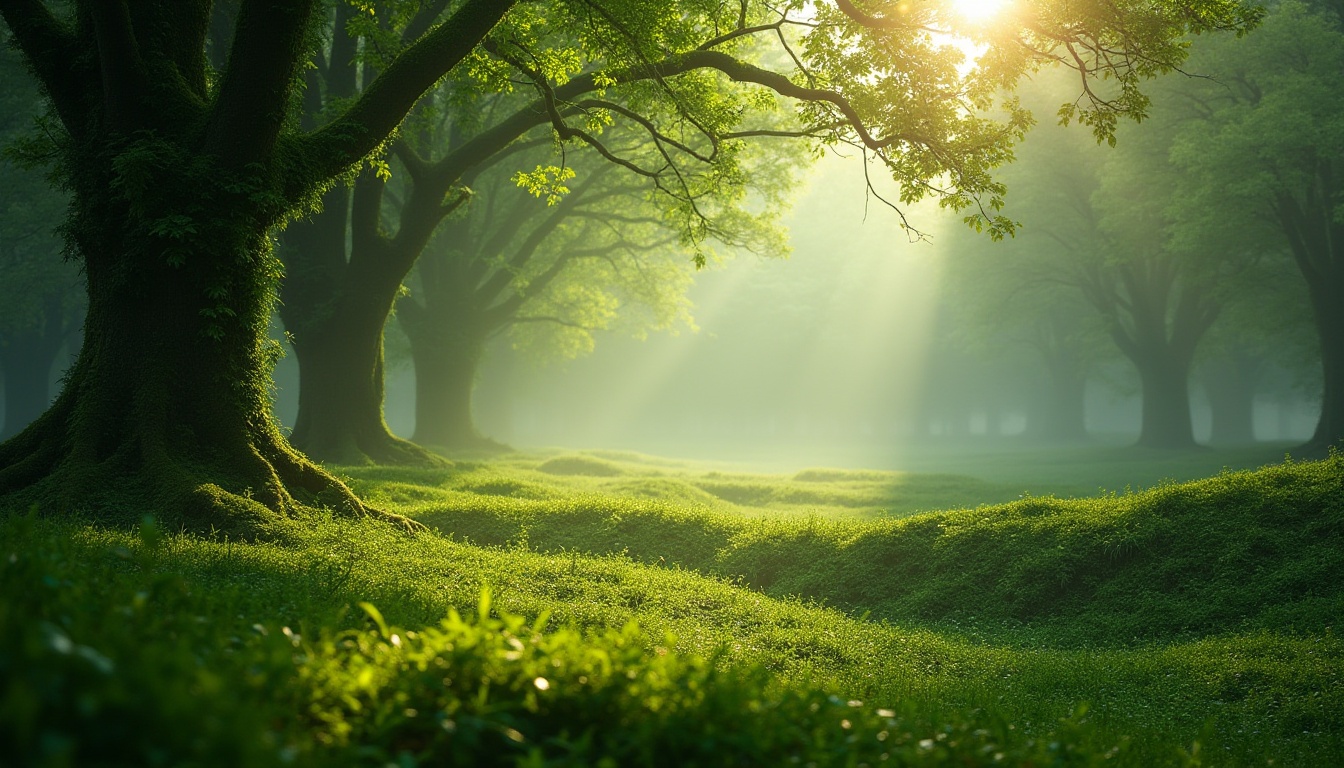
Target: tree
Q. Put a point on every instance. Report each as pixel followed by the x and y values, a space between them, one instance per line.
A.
pixel 1098 224
pixel 180 173
pixel 552 275
pixel 1264 330
pixel 1270 152
pixel 1002 309
pixel 336 308
pixel 1157 301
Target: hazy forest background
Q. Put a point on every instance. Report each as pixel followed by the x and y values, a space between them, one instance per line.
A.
pixel 765 383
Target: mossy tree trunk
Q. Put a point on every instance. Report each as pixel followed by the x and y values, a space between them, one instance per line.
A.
pixel 167 407
pixel 177 182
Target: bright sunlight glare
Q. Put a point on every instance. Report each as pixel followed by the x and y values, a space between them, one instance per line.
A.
pixel 978 11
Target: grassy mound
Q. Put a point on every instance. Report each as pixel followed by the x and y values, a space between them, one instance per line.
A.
pixel 579 465
pixel 826 475
pixel 1241 551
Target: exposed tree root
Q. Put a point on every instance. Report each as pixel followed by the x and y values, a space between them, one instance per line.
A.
pixel 343 444
pixel 239 491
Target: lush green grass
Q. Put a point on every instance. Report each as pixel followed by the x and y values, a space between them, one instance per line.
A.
pixel 834 493
pixel 1242 551
pixel 1196 622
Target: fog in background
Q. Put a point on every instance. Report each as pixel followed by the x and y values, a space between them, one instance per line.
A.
pixel 838 354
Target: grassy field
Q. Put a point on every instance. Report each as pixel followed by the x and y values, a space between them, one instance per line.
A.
pixel 647 611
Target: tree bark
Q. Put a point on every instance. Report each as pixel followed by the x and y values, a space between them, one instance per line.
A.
pixel 167 407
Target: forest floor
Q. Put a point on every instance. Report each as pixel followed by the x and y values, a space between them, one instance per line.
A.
pixel 663 612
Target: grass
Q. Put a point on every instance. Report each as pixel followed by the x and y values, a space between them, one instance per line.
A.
pixel 640 618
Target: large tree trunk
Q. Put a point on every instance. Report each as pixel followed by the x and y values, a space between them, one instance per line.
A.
pixel 167 408
pixel 1230 385
pixel 26 358
pixel 1165 382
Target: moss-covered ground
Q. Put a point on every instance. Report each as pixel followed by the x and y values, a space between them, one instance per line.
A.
pixel 649 612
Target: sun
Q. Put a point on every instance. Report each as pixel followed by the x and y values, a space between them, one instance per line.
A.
pixel 978 11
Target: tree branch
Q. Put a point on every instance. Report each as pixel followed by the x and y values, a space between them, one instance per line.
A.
pixel 268 44
pixel 124 80
pixel 387 100
pixel 54 55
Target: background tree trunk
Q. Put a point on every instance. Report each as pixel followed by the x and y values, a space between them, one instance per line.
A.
pixel 1327 300
pixel 335 311
pixel 1062 417
pixel 444 380
pixel 447 349
pixel 1230 384
pixel 1165 382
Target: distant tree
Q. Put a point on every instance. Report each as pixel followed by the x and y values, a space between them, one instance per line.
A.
pixel 180 173
pixel 1264 331
pixel 1158 301
pixel 41 296
pixel 1269 152
pixel 1004 309
pixel 1095 232
pixel 552 275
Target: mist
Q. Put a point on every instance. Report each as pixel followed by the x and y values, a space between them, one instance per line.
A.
pixel 847 350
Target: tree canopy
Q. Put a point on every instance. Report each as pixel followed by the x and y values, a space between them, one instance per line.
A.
pixel 181 161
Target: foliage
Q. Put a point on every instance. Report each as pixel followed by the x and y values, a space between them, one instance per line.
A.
pixel 1260 164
